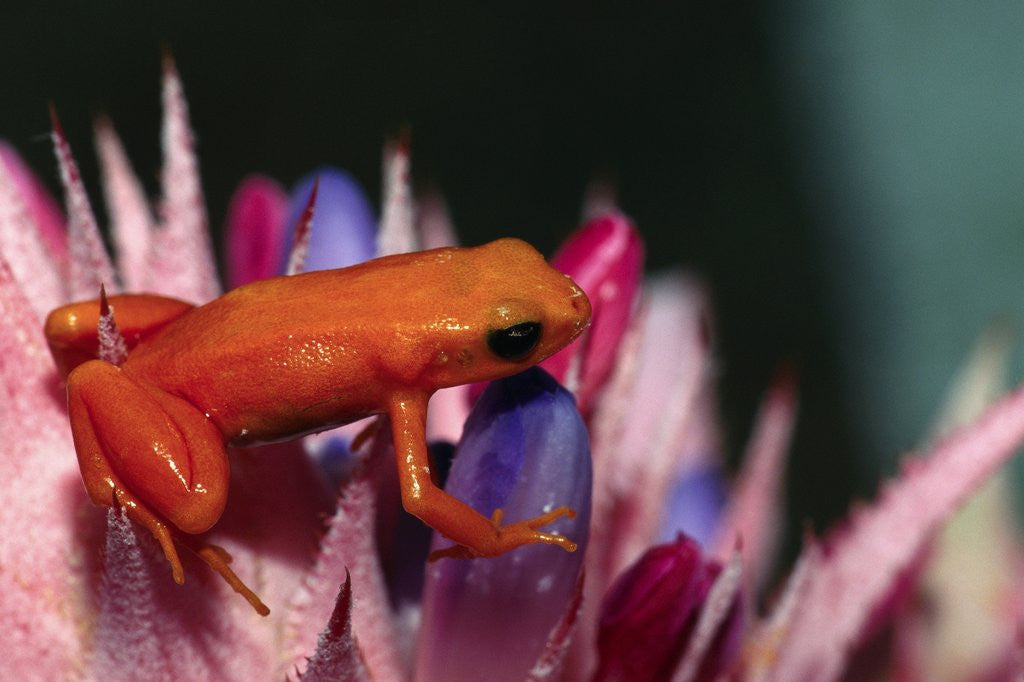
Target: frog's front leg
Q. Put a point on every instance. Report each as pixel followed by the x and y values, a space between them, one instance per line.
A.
pixel 474 533
pixel 154 455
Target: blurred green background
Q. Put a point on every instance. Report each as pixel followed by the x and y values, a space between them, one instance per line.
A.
pixel 846 176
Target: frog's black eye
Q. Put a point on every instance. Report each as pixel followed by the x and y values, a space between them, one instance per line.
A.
pixel 515 342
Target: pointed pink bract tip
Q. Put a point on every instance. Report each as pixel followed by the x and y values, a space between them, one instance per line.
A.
pixel 104 305
pixel 402 141
pixel 167 63
pixel 55 120
pixel 303 233
pixel 337 655
pixel 112 346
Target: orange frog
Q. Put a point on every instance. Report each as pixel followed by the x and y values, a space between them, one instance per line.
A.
pixel 287 356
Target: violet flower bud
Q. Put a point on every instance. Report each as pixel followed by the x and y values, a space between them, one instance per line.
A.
pixel 695 506
pixel 344 227
pixel 524 450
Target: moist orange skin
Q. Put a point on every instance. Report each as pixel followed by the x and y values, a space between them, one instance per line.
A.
pixel 286 356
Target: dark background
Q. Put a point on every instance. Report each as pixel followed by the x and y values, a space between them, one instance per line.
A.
pixel 512 114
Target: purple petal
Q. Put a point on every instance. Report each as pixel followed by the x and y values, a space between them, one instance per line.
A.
pixel 255 230
pixel 605 258
pixel 525 450
pixel 695 505
pixel 344 228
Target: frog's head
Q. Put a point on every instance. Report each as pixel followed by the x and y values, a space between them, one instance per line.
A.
pixel 512 311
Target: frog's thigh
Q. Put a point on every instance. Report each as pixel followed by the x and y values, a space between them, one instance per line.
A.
pixel 158 448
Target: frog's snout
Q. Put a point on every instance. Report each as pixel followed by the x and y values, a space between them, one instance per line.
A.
pixel 580 307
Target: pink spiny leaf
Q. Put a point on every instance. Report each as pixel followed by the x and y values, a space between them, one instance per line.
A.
pixel 43 211
pixel 273 522
pixel 22 245
pixel 337 655
pixel 89 265
pixel 397 232
pixel 350 546
pixel 972 576
pixel 549 665
pixel 639 429
pixel 753 516
pixel 716 638
pixel 761 650
pixel 882 540
pixel 642 421
pixel 113 349
pixel 131 222
pixel 129 625
pixel 303 230
pixel 40 546
pixel 182 260
pixel 150 628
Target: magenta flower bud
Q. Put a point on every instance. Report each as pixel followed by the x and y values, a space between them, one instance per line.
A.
pixel 605 258
pixel 254 234
pixel 344 228
pixel 651 611
pixel 525 451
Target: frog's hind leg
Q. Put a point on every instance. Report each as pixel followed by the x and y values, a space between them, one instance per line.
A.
pixel 149 452
pixel 158 448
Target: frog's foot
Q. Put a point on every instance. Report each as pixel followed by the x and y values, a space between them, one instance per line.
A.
pixel 218 559
pixel 512 535
pixel 215 557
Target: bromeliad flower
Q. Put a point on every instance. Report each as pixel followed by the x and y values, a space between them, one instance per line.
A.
pixel 346 576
